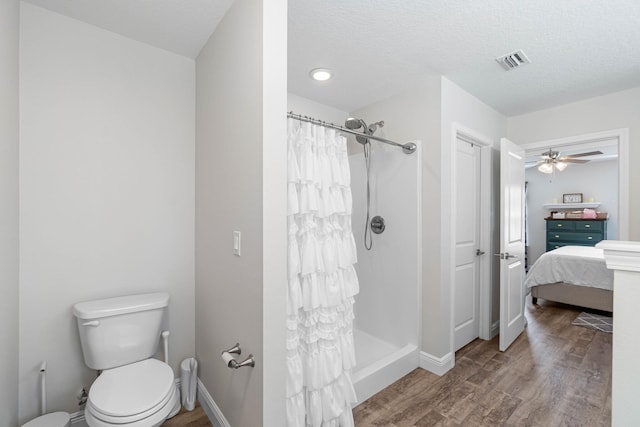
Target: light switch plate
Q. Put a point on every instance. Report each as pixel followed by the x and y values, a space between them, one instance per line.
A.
pixel 236 243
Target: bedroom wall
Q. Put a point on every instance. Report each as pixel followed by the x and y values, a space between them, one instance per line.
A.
pixel 240 165
pixel 596 179
pixel 9 19
pixel 106 190
pixel 612 111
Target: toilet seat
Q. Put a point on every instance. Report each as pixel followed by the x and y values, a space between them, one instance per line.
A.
pixel 57 419
pixel 154 420
pixel 140 394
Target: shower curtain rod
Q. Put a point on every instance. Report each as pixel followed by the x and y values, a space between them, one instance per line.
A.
pixel 407 148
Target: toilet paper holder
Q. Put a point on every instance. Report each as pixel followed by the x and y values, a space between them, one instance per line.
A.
pixel 232 362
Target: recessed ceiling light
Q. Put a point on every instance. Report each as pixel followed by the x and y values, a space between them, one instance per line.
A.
pixel 320 74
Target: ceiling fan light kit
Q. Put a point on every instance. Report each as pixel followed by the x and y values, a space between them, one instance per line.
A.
pixel 561 166
pixel 546 167
pixel 551 160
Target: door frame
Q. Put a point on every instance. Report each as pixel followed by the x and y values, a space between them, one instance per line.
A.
pixel 485 143
pixel 622 136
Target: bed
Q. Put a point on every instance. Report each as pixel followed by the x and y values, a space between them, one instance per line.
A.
pixel 576 275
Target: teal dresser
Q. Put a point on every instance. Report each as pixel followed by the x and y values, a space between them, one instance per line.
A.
pixel 576 232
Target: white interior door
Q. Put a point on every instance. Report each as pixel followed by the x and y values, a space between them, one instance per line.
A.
pixel 512 320
pixel 466 281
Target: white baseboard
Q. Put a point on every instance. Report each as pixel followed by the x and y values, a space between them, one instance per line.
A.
pixel 77 419
pixel 437 365
pixel 495 328
pixel 210 408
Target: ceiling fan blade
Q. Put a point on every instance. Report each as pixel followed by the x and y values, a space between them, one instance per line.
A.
pixel 565 160
pixel 590 153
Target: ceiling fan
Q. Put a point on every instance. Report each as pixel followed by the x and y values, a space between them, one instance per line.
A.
pixel 551 160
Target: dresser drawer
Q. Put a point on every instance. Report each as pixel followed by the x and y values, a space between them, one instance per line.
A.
pixel 574 232
pixel 588 226
pixel 569 236
pixel 560 225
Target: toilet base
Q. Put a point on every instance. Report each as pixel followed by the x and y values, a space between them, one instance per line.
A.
pixel 176 408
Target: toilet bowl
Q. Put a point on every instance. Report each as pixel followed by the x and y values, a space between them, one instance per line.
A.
pixel 119 337
pixel 54 419
pixel 141 394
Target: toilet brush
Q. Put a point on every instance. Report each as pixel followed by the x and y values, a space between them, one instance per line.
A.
pixel 43 388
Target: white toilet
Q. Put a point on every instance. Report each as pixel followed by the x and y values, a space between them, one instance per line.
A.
pixel 119 336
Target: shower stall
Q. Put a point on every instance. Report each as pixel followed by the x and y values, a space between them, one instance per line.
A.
pixel 388 307
pixel 380 181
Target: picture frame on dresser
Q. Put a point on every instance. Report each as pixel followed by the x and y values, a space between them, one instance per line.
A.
pixel 572 198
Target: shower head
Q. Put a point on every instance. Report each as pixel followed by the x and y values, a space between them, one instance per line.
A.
pixel 353 124
pixel 373 127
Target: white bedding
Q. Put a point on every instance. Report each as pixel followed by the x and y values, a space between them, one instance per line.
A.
pixel 576 265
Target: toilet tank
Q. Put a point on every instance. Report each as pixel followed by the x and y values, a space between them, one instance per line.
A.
pixel 121 330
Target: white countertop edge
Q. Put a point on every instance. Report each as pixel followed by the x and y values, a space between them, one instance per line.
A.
pixel 621 254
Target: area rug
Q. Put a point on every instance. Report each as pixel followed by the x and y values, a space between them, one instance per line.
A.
pixel 598 322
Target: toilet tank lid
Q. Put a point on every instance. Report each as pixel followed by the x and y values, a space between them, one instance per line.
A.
pixel 120 305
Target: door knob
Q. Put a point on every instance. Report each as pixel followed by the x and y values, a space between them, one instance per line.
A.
pixel 505 255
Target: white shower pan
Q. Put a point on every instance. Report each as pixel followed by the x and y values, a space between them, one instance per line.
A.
pixel 379 364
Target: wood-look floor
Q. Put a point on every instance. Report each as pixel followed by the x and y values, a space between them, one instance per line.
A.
pixel 554 374
pixel 195 418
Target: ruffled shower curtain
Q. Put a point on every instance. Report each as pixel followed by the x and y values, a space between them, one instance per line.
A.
pixel 322 281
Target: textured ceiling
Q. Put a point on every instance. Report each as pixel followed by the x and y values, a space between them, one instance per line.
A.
pixel 578 48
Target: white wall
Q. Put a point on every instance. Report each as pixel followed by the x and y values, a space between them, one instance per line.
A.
pixel 459 107
pixel 107 190
pixel 241 185
pixel 597 180
pixel 307 107
pixel 613 111
pixel 274 210
pixel 9 20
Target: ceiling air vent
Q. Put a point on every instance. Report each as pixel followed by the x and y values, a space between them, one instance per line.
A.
pixel 513 60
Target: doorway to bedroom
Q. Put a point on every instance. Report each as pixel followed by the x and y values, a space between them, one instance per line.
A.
pixel 587 172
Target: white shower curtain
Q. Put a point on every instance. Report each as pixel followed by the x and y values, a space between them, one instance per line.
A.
pixel 322 280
